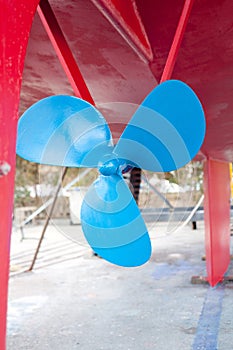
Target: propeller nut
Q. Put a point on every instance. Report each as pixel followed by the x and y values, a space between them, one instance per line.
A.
pixel 110 167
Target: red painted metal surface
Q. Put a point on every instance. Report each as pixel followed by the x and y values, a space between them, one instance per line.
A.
pixel 112 71
pixel 15 23
pixel 217 219
pixel 63 51
pixel 125 17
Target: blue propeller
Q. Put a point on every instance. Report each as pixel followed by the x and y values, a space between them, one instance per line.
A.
pixel 164 134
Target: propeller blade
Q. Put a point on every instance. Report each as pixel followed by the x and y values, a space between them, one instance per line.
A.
pixel 112 223
pixel 63 130
pixel 166 131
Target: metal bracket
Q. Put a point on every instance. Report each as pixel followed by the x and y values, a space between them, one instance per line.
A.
pixel 4 168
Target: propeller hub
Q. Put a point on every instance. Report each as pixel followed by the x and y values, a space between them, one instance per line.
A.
pixel 109 165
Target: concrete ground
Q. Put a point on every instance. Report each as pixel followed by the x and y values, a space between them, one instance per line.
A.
pixel 73 300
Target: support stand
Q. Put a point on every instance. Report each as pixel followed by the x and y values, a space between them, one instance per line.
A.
pixel 217 219
pixel 15 23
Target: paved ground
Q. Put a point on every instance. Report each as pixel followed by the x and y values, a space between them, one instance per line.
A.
pixel 73 300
